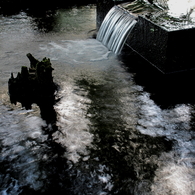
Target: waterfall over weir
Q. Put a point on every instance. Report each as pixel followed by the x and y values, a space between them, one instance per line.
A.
pixel 162 35
pixel 115 28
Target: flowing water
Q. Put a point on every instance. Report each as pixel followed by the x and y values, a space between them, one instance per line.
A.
pixel 110 136
pixel 116 28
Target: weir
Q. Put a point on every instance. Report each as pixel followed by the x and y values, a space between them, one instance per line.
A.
pixel 153 29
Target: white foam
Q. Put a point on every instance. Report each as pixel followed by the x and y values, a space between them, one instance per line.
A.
pixel 176 172
pixel 174 179
pixel 17 130
pixel 73 124
pixel 89 50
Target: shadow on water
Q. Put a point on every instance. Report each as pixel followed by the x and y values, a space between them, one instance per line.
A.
pixel 131 157
pixel 167 90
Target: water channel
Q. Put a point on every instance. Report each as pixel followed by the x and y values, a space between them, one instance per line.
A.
pixel 110 137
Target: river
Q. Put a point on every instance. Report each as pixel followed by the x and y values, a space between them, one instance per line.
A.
pixel 110 137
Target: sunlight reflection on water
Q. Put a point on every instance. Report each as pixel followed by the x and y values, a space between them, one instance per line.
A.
pixel 73 124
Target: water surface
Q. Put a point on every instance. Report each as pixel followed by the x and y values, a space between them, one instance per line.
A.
pixel 110 136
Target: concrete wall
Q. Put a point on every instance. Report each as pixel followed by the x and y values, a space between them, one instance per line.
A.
pixel 168 50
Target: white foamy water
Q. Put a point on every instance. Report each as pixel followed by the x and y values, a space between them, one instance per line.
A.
pixel 176 172
pixel 74 132
pixel 86 51
pixel 21 139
